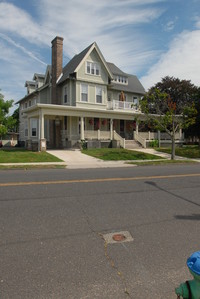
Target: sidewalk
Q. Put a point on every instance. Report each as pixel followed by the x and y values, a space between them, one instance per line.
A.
pixel 74 159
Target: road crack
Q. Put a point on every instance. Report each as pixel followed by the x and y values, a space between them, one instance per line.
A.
pixel 113 265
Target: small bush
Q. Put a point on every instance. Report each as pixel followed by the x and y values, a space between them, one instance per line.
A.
pixel 154 143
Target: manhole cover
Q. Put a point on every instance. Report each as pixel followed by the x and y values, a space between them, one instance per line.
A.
pixel 118 237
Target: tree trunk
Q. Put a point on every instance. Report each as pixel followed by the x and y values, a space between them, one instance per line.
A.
pixel 173 148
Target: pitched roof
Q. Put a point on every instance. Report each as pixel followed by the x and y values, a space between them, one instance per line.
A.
pixel 32 83
pixel 36 75
pixel 115 70
pixel 133 85
pixel 73 64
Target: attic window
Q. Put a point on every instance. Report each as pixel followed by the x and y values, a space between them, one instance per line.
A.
pixel 121 79
pixel 93 68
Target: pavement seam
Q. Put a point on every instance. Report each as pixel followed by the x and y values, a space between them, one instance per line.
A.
pixel 111 262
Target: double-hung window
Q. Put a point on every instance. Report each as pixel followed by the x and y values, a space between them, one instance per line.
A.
pixel 65 95
pixel 33 127
pixel 93 68
pixel 99 95
pixel 84 92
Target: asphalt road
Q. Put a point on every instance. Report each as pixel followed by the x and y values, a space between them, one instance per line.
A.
pixel 53 222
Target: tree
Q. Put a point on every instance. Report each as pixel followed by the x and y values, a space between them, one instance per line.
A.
pixel 169 106
pixel 15 116
pixel 7 122
pixel 194 131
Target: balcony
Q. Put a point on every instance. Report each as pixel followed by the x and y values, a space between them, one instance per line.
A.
pixel 120 105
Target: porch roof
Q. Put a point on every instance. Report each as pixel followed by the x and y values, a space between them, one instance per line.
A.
pixel 61 110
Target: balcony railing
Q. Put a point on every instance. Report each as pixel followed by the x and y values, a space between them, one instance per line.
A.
pixel 120 105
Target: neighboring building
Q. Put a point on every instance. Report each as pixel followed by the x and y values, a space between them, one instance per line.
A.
pixel 88 99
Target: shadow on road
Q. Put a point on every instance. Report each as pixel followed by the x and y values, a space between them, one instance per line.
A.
pixel 178 196
pixel 193 217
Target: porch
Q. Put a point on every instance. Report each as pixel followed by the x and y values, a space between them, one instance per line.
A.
pixel 58 126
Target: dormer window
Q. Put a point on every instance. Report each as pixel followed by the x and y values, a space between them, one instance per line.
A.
pixel 121 79
pixel 93 68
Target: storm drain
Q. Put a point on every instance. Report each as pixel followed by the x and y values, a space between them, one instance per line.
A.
pixel 117 237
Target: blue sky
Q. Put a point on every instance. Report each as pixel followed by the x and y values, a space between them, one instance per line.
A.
pixel 147 38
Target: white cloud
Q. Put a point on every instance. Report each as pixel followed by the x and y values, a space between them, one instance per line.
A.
pixel 181 60
pixel 24 50
pixel 18 22
pixel 197 22
pixel 80 23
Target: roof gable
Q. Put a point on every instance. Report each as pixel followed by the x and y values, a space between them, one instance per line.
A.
pixel 76 62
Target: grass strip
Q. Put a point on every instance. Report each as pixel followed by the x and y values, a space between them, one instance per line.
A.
pixel 29 167
pixel 164 162
pixel 25 156
pixel 192 152
pixel 113 154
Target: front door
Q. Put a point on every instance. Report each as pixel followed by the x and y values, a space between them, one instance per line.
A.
pixel 122 128
pixel 96 124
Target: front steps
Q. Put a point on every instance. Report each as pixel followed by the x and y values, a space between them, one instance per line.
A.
pixel 132 144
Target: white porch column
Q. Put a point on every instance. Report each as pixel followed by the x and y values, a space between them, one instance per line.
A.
pixel 111 129
pixel 137 127
pixel 29 128
pixel 41 125
pixel 180 134
pixel 149 135
pixel 98 135
pixel 41 139
pixel 82 128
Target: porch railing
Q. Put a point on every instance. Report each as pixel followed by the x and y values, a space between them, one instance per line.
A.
pixel 140 139
pixel 117 137
pixel 122 105
pixel 99 135
pixel 162 136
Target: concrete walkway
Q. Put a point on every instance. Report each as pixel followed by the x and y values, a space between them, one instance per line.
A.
pixel 75 159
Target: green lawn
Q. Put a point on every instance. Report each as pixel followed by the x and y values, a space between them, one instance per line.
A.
pixel 114 154
pixel 163 162
pixel 192 151
pixel 25 156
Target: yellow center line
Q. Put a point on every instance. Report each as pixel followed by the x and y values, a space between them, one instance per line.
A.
pixel 99 180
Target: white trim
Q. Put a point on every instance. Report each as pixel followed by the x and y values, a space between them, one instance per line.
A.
pixel 59 77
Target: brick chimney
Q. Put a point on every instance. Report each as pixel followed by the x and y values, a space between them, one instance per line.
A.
pixel 57 65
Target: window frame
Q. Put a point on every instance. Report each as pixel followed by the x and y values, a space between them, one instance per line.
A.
pixel 93 68
pixel 34 126
pixel 83 93
pixel 65 94
pixel 99 95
